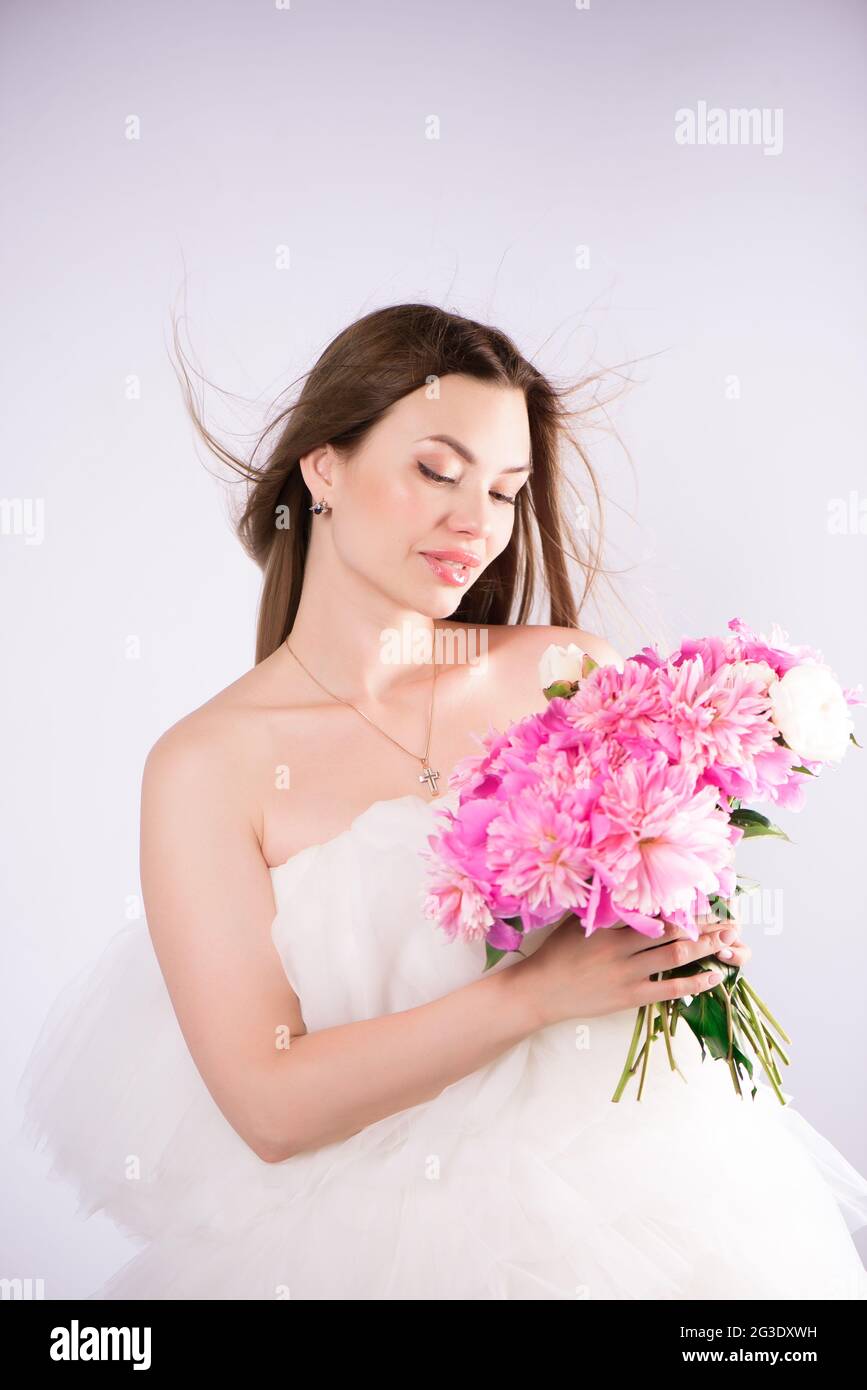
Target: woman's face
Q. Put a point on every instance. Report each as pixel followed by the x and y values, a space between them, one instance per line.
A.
pixel 406 494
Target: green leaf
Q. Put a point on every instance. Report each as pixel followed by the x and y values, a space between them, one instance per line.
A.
pixel 706 1016
pixel 495 953
pixel 744 816
pixel 514 922
pixel 753 823
pixel 739 1055
pixel 692 967
pixel 801 768
pixel 492 955
pixel 745 884
pixel 751 833
pixel 855 741
pixel 721 911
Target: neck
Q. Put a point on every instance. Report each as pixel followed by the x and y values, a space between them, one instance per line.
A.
pixel 357 642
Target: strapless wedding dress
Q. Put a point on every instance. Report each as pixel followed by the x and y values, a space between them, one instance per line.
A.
pixel 521 1180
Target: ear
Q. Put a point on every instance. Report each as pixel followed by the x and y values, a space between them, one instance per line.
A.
pixel 316 468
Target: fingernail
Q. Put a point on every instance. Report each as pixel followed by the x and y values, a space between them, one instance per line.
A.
pixel 725 953
pixel 728 934
pixel 714 977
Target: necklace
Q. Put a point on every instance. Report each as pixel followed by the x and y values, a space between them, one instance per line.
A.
pixel 428 775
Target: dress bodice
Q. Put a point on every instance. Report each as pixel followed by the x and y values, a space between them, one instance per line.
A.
pixel 349 926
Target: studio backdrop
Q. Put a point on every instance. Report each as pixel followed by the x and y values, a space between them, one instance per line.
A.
pixel 670 197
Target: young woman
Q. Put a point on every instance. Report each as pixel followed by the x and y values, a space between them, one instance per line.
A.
pixel 289 1084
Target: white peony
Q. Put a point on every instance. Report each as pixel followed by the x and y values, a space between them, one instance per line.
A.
pixel 810 711
pixel 752 670
pixel 561 664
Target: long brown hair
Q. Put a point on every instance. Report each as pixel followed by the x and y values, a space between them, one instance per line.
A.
pixel 369 366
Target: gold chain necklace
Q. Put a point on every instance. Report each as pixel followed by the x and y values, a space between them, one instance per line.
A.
pixel 428 775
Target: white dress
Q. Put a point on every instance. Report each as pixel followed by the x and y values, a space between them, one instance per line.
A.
pixel 522 1180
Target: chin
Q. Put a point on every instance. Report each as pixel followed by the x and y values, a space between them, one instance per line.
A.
pixel 442 607
pixel 435 600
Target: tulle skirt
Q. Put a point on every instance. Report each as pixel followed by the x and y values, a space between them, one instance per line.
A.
pixel 520 1181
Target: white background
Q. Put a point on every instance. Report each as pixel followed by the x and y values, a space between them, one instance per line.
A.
pixel 307 128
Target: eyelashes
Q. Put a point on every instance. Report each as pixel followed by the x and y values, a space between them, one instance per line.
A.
pixel 441 478
pixel 434 477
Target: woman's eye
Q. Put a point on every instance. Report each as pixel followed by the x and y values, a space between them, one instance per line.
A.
pixel 437 477
pixel 441 478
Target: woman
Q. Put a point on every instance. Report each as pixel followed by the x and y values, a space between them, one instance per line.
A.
pixel 289 1084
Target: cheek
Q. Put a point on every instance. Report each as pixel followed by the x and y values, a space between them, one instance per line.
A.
pixel 387 511
pixel 395 504
pixel 505 524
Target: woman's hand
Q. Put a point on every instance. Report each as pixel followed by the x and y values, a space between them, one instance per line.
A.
pixel 572 975
pixel 732 950
pixel 735 951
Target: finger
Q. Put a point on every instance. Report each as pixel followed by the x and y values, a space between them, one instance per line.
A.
pixel 710 936
pixel 637 941
pixel 670 956
pixel 730 943
pixel 654 991
pixel 738 954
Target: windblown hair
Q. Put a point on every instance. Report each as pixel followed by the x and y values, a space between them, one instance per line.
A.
pixel 369 366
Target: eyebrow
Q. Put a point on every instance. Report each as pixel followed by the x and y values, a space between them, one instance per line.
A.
pixel 466 454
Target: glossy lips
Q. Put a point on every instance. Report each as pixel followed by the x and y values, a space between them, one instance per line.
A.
pixel 451 566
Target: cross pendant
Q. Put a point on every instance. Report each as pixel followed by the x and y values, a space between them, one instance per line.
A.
pixel 430 777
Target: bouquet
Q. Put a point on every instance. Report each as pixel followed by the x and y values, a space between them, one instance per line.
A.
pixel 622 803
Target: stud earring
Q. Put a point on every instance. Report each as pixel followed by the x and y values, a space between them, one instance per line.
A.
pixel 320 506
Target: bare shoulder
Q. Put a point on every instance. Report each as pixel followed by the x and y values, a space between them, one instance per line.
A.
pixel 210 737
pixel 212 752
pixel 518 649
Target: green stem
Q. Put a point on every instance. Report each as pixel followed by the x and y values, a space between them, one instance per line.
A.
pixel 627 1070
pixel 746 1028
pixel 721 989
pixel 776 1046
pixel 662 1006
pixel 759 1044
pixel 763 1036
pixel 647 1041
pixel 639 1058
pixel 765 1010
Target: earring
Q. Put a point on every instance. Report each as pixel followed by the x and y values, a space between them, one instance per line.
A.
pixel 320 506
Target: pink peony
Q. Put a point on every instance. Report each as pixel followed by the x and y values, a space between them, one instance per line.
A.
pixel 615 802
pixel 538 850
pixel 662 840
pixel 718 720
pixel 454 902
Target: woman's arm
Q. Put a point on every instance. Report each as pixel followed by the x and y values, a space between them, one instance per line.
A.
pixel 332 1083
pixel 210 905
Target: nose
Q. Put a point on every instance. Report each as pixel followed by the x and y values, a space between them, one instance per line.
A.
pixel 471 519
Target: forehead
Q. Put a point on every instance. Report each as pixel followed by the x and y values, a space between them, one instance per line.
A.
pixel 489 420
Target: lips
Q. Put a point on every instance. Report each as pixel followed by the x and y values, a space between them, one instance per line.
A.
pixel 461 557
pixel 451 566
